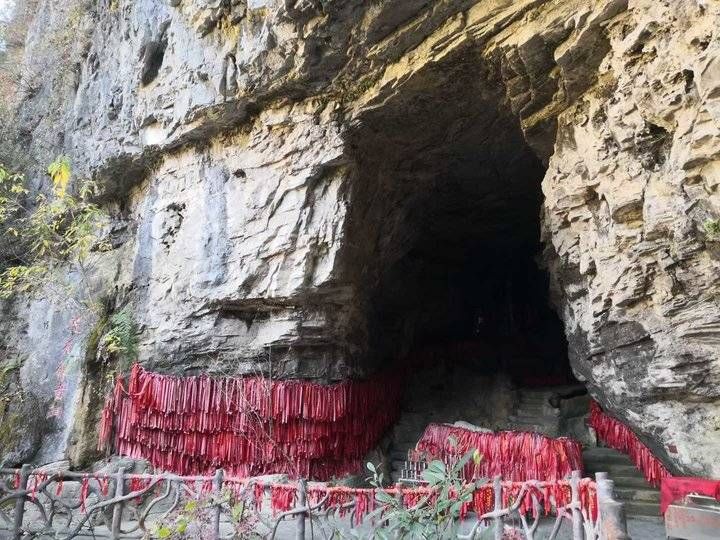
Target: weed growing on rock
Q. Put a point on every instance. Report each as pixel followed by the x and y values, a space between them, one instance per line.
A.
pixel 712 229
pixel 121 338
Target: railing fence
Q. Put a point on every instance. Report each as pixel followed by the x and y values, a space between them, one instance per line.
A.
pixel 125 505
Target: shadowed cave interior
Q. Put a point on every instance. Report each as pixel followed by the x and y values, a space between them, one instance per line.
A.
pixel 446 210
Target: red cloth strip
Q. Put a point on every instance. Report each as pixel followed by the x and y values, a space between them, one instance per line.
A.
pixel 550 496
pixel 675 488
pixel 617 435
pixel 249 426
pixel 513 455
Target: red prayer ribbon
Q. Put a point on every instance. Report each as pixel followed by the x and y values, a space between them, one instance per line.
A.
pixel 513 455
pixel 617 435
pixel 550 496
pixel 248 426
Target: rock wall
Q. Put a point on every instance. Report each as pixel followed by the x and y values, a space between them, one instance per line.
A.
pixel 261 160
pixel 628 192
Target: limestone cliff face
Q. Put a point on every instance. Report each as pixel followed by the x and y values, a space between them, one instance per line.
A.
pixel 268 164
pixel 631 184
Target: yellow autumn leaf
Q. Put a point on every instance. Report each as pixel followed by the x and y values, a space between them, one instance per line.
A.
pixel 60 172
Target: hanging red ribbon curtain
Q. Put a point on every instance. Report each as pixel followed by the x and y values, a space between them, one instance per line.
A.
pixel 617 435
pixel 513 455
pixel 248 426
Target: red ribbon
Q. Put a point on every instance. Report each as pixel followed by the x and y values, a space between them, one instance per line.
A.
pixel 513 455
pixel 617 435
pixel 249 426
pixel 84 488
pixel 104 485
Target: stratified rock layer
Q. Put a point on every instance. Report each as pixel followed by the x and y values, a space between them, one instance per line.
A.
pixel 275 169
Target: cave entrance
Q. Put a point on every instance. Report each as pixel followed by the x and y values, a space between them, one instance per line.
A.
pixel 445 233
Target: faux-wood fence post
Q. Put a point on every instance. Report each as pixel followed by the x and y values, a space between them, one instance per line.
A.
pixel 577 520
pixel 20 502
pixel 302 502
pixel 217 508
pixel 613 523
pixel 118 506
pixel 497 490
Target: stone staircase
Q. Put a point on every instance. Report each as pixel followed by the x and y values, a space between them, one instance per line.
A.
pixel 640 498
pixel 406 434
pixel 535 414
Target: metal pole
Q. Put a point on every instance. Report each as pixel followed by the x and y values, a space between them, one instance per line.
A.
pixel 118 506
pixel 302 502
pixel 497 490
pixel 217 488
pixel 20 502
pixel 577 520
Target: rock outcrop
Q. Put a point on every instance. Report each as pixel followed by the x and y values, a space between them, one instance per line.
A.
pixel 629 191
pixel 283 175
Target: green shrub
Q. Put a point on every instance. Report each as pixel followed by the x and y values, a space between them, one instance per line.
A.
pixel 42 231
pixel 712 229
pixel 121 338
pixel 433 517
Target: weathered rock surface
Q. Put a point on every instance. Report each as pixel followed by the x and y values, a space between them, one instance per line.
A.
pixel 628 191
pixel 276 168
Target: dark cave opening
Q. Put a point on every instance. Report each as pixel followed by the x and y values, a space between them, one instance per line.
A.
pixel 446 215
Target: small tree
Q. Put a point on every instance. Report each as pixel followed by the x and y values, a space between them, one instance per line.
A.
pixel 47 230
pixel 193 521
pixel 436 515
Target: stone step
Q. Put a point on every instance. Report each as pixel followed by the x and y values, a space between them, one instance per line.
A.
pixel 518 424
pixel 397 464
pixel 543 430
pixel 398 454
pixel 614 469
pixel 538 405
pixel 638 508
pixel 603 451
pixel 546 391
pixel 637 495
pixel 531 409
pixel 619 459
pixel 533 400
pixel 534 424
pixel 540 420
pixel 622 482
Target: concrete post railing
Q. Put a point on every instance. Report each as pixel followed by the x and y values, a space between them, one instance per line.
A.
pixel 118 508
pixel 20 503
pixel 301 503
pixel 610 525
pixel 499 525
pixel 577 518
pixel 217 509
pixel 613 522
